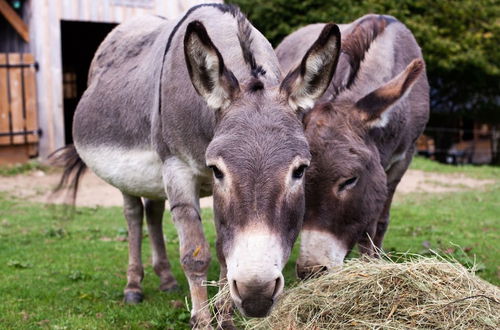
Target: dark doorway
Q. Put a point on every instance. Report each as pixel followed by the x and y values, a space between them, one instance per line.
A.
pixel 79 41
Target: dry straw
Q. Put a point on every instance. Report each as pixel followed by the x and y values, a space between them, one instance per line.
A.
pixel 423 293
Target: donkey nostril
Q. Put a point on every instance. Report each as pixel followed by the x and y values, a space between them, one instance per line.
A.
pixel 258 297
pixel 235 289
pixel 278 285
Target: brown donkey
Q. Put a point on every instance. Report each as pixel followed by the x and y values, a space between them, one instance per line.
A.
pixel 361 135
pixel 187 108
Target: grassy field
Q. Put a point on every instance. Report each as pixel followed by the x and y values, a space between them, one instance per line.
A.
pixel 69 274
pixel 15 169
pixel 479 172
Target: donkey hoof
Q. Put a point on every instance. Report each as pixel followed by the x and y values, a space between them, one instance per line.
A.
pixel 133 298
pixel 170 288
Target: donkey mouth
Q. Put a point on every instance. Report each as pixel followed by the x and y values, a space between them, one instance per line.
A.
pixel 256 306
pixel 308 272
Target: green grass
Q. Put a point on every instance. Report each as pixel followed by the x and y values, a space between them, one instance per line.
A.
pixel 15 169
pixel 475 171
pixel 70 274
pixel 67 274
pixel 463 225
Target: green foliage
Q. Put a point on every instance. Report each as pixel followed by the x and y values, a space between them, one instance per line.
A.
pixel 460 41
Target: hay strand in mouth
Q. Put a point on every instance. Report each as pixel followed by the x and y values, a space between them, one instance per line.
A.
pixel 221 307
pixel 421 293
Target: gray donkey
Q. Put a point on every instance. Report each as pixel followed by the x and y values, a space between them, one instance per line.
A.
pixel 361 134
pixel 182 109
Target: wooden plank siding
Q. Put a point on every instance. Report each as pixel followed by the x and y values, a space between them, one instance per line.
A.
pixel 16 98
pixel 4 101
pixel 45 32
pixel 14 19
pixel 31 119
pixel 10 40
pixel 18 114
pixel 112 11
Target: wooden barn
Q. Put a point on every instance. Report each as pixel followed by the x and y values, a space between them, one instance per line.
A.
pixel 46 47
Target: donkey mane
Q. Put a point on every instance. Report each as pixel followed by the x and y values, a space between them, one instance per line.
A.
pixel 246 39
pixel 358 43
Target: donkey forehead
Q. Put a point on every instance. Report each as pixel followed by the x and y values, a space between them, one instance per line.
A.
pixel 335 123
pixel 337 138
pixel 339 147
pixel 258 130
pixel 261 98
pixel 259 147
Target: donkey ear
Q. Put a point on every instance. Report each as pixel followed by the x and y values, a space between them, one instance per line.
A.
pixel 210 77
pixel 306 84
pixel 375 107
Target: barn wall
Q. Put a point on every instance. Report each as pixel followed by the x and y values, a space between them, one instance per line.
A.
pixel 45 33
pixel 10 40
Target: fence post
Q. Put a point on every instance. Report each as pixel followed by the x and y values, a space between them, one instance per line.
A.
pixel 495 142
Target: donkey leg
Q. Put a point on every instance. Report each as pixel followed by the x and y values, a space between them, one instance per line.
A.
pixel 195 259
pixel 134 212
pixel 183 191
pixel 394 176
pixel 382 225
pixel 161 266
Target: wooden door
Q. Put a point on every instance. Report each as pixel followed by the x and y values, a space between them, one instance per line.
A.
pixel 18 113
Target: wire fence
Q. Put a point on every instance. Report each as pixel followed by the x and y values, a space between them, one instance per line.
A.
pixel 459 145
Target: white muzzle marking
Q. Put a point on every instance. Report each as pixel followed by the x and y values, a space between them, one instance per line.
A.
pixel 319 248
pixel 256 258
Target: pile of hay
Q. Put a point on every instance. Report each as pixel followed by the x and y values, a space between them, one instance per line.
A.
pixel 422 293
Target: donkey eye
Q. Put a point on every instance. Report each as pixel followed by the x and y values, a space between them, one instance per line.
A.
pixel 349 183
pixel 299 172
pixel 217 173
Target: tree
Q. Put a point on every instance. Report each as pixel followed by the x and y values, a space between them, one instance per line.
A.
pixel 460 41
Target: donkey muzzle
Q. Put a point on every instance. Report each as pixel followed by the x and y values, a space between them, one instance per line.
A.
pixel 256 299
pixel 320 251
pixel 254 267
pixel 305 272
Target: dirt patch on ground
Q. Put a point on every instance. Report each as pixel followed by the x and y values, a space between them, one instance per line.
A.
pixel 420 181
pixel 37 186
